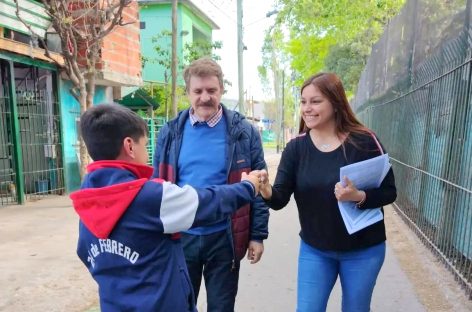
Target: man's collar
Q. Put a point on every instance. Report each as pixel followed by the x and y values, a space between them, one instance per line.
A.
pixel 211 122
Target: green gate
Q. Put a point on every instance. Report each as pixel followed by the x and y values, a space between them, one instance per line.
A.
pixel 30 142
pixel 8 178
pixel 154 125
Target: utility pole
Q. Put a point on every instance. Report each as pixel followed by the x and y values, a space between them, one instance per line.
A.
pixel 174 58
pixel 252 110
pixel 276 72
pixel 240 55
pixel 282 119
pixel 279 100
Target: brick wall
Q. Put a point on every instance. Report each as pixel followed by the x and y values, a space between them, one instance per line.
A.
pixel 120 53
pixel 121 48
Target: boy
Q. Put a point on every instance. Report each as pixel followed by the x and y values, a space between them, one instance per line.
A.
pixel 127 221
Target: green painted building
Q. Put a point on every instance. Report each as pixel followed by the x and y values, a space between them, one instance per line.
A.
pixel 193 25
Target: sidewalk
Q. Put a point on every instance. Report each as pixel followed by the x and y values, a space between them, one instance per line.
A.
pixel 41 272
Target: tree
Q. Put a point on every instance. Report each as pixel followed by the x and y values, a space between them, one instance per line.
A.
pixel 162 93
pixel 274 69
pixel 348 63
pixel 200 48
pixel 81 26
pixel 322 33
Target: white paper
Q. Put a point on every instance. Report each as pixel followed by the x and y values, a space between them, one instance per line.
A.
pixel 366 174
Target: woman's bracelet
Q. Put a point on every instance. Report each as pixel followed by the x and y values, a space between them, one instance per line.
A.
pixel 362 201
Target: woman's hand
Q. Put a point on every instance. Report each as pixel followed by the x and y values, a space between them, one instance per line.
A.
pixel 265 187
pixel 348 191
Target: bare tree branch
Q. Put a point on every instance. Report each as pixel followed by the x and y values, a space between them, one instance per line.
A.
pixel 33 33
pixel 81 26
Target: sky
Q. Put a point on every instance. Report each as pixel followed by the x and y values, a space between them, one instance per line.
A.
pixel 255 22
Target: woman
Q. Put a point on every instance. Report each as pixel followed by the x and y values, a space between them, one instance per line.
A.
pixel 331 137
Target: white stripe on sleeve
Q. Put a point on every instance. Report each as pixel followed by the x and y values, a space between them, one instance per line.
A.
pixel 178 207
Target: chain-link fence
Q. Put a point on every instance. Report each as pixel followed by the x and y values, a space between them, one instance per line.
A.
pixel 415 93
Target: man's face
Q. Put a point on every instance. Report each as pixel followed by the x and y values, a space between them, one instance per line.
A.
pixel 204 94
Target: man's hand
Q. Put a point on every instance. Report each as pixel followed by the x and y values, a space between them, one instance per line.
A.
pixel 255 251
pixel 253 178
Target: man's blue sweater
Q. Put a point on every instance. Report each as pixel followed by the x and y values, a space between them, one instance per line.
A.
pixel 201 166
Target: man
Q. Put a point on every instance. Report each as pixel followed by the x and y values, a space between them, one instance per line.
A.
pixel 205 145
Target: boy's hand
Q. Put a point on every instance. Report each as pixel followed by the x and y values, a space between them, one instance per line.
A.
pixel 253 178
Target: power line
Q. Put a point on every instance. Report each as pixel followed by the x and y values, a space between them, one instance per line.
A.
pixel 256 21
pixel 224 13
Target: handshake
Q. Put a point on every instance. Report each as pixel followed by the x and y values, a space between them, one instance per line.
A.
pixel 260 180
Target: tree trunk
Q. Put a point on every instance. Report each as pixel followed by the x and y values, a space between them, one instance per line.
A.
pixel 90 90
pixel 83 154
pixel 87 93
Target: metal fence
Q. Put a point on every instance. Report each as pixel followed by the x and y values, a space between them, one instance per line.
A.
pixel 30 143
pixel 40 143
pixel 415 93
pixel 8 193
pixel 154 125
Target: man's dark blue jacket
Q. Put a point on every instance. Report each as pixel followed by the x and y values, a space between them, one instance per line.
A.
pixel 243 145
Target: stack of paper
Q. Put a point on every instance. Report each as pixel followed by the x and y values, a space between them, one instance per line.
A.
pixel 365 175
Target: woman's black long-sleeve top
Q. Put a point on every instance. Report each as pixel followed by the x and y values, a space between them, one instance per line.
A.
pixel 311 175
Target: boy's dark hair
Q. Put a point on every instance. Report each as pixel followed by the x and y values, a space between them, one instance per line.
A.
pixel 104 127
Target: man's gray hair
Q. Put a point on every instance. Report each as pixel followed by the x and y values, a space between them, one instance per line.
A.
pixel 203 67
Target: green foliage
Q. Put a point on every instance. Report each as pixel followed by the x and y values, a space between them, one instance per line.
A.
pixel 163 52
pixel 191 51
pixel 270 110
pixel 161 93
pixel 348 63
pixel 200 48
pixel 163 56
pixel 327 35
pixel 142 113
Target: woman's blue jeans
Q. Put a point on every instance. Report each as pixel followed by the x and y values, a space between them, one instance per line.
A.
pixel 318 271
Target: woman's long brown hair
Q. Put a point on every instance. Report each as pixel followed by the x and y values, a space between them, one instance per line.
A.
pixel 332 88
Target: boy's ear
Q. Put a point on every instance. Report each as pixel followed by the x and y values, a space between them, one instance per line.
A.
pixel 127 147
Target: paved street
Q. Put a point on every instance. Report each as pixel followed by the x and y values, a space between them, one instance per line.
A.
pixel 40 271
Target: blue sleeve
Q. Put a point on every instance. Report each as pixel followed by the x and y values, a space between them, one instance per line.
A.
pixel 156 159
